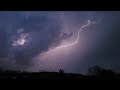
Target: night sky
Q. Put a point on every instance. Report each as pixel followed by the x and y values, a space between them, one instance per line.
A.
pixel 29 40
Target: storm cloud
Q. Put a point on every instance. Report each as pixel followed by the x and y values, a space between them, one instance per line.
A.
pixel 43 30
pixel 98 44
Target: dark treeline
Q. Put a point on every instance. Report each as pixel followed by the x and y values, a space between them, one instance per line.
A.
pixel 94 72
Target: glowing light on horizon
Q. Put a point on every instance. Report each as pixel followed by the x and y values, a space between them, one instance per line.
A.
pixel 76 41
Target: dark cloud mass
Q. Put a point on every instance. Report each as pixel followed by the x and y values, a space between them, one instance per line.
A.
pixel 99 44
pixel 43 29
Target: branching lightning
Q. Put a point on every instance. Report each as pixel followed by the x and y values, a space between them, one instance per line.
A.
pixel 76 41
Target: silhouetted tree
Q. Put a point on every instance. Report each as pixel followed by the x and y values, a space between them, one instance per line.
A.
pixel 93 71
pixel 61 71
pixel 100 72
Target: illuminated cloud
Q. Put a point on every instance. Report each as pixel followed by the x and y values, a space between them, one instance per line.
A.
pixel 28 38
pixel 21 40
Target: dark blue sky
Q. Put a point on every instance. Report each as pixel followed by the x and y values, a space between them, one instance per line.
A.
pixel 98 44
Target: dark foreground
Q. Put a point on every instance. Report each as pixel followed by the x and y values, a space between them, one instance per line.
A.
pixel 94 73
pixel 41 75
pixel 51 76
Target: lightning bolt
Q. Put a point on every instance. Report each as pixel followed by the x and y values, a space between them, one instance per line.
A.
pixel 76 41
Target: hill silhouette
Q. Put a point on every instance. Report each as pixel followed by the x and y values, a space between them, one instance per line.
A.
pixel 95 72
